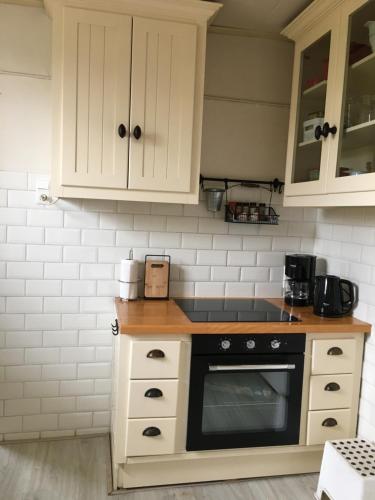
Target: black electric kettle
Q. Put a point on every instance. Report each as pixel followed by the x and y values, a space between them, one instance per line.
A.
pixel 333 296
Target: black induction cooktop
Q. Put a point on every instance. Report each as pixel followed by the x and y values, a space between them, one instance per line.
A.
pixel 233 310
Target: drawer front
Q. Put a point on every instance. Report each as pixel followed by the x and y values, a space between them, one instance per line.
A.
pixel 330 391
pixel 138 444
pixel 159 359
pixel 333 356
pixel 153 398
pixel 317 433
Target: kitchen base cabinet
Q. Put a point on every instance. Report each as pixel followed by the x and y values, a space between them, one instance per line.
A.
pixel 128 85
pixel 150 407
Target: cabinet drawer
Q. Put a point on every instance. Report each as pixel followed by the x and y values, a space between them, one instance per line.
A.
pixel 138 444
pixel 153 398
pixel 159 359
pixel 317 433
pixel 330 391
pixel 333 356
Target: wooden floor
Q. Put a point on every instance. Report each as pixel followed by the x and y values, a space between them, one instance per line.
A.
pixel 76 469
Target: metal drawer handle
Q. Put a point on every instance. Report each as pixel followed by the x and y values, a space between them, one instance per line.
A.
pixel 329 422
pixel 225 368
pixel 332 386
pixel 151 432
pixel 153 393
pixel 156 353
pixel 335 351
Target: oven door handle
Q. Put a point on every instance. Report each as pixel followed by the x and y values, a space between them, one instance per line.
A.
pixel 225 368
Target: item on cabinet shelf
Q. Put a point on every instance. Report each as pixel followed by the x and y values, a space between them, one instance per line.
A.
pixel 358 51
pixel 369 167
pixel 299 275
pixel 214 198
pixel 367 108
pixel 257 214
pixel 333 297
pixel 371 33
pixel 157 270
pixel 309 126
pixel 245 391
pixel 314 174
pixel 129 278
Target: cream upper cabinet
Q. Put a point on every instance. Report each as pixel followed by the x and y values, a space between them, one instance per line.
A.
pixel 128 79
pixel 95 98
pixel 163 75
pixel 331 149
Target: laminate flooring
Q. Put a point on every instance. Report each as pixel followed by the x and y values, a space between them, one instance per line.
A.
pixel 76 469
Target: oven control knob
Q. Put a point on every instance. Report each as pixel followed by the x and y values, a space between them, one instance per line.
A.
pixel 275 344
pixel 225 344
pixel 250 344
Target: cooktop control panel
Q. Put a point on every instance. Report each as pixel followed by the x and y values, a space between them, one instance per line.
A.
pixel 242 344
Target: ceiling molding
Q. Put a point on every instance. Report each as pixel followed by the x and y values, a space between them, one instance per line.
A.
pixel 241 32
pixel 25 3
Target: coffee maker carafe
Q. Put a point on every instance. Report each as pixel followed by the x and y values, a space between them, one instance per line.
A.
pixel 299 279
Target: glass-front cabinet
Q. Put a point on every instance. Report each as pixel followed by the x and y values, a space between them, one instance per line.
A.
pixel 331 150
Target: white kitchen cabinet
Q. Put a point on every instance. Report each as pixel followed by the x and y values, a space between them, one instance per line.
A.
pixel 128 92
pixel 333 83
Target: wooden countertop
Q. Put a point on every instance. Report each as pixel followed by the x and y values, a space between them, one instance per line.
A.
pixel 164 316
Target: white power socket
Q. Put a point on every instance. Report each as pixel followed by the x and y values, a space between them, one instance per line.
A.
pixel 42 196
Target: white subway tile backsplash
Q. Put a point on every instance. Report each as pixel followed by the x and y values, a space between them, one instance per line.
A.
pixel 58 405
pixel 131 239
pixel 78 288
pixel 194 273
pixel 96 237
pixel 116 221
pixel 271 259
pixel 241 258
pixel 12 252
pixel 61 304
pixel 182 257
pixel 150 223
pixel 63 236
pixel 133 207
pixel 166 209
pixel 20 234
pixel 9 390
pixel 197 241
pixel 21 373
pixel 169 240
pixel 76 387
pixel 45 218
pixel 209 289
pixel 239 289
pixel 227 242
pixel 23 339
pixel 181 289
pixel 10 424
pixel 214 226
pixel 79 321
pixel 99 205
pixel 268 290
pixel 23 406
pixel 79 254
pixel 75 420
pixel 289 244
pixel 211 257
pixel 81 220
pixel 44 389
pixel 255 274
pixel 59 371
pixel 42 355
pixel 97 271
pixel 188 224
pixel 44 253
pixel 94 370
pixel 61 271
pixel 24 304
pixel 13 216
pixel 42 322
pixel 60 338
pixel 21 199
pixel 101 419
pixel 225 273
pixel 13 180
pixel 96 304
pixel 12 321
pixel 12 287
pixel 11 357
pixel 77 354
pixel 108 288
pixel 43 288
pixel 93 403
pixel 40 422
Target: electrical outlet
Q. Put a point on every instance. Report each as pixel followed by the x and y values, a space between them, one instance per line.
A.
pixel 42 196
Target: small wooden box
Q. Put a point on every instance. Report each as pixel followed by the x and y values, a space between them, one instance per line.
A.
pixel 157 270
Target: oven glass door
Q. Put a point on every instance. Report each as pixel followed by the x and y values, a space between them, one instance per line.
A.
pixel 243 401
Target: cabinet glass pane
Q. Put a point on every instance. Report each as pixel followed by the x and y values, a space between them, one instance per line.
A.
pixel 357 135
pixel 311 109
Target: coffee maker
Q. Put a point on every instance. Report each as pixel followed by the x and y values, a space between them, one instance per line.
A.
pixel 299 277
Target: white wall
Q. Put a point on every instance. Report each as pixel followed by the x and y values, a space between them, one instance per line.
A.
pixel 58 264
pixel 345 237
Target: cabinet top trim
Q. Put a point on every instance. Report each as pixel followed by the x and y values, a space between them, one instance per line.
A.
pixel 194 10
pixel 309 17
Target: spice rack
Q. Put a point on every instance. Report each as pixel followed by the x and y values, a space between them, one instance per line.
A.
pixel 250 213
pixel 246 212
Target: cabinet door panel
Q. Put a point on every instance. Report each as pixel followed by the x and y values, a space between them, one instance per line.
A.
pixel 163 80
pixel 96 86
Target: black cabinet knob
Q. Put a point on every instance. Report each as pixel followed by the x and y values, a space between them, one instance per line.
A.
pixel 122 130
pixel 137 132
pixel 332 386
pixel 153 393
pixel 329 422
pixel 324 131
pixel 335 351
pixel 156 353
pixel 151 432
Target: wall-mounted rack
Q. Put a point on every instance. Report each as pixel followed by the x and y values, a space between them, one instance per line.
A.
pixel 273 186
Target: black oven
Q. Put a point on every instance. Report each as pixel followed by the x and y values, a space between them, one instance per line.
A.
pixel 245 390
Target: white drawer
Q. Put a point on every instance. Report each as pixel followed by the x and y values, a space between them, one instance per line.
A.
pixel 138 444
pixel 155 359
pixel 330 391
pixel 153 398
pixel 333 356
pixel 318 433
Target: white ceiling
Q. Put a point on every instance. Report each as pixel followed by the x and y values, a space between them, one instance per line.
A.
pixel 269 16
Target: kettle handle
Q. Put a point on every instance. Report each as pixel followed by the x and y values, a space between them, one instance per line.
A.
pixel 347 305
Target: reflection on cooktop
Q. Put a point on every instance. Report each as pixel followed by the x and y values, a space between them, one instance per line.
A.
pixel 233 310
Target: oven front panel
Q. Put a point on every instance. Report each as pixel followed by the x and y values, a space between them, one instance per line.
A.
pixel 242 401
